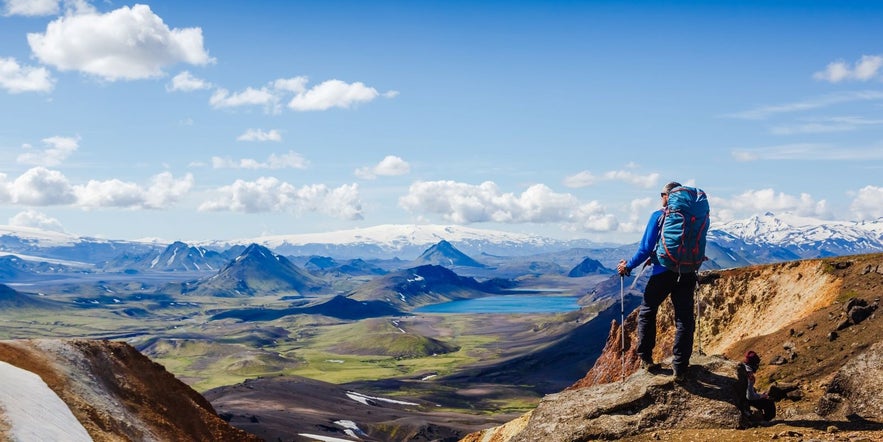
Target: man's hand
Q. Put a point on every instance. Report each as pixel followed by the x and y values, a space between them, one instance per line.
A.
pixel 622 269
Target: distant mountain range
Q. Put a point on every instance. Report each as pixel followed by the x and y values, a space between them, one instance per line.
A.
pixel 756 240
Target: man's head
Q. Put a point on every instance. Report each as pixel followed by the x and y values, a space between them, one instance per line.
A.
pixel 752 359
pixel 668 187
pixel 666 190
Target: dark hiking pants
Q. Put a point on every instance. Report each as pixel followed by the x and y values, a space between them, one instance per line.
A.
pixel 681 291
pixel 767 406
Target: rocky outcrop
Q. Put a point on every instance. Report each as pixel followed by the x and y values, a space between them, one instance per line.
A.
pixel 641 403
pixel 810 320
pixel 118 394
pixel 857 388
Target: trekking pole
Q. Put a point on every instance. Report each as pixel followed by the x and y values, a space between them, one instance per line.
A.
pixel 622 323
pixel 698 316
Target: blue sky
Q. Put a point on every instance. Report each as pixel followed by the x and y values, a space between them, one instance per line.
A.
pixel 216 120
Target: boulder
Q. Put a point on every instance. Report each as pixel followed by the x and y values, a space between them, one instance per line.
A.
pixel 641 403
pixel 857 388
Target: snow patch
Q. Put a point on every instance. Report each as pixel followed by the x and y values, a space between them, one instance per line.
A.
pixel 33 410
pixel 351 429
pixel 324 438
pixel 363 399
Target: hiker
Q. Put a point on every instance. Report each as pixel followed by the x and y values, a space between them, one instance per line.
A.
pixel 664 282
pixel 747 396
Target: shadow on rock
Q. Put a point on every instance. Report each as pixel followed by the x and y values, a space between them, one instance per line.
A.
pixel 641 403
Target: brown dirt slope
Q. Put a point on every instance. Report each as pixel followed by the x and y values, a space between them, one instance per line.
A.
pixel 118 394
pixel 802 318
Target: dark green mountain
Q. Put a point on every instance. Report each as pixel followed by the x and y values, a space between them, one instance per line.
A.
pixel 339 307
pixel 257 271
pixel 428 284
pixel 445 254
pixel 11 298
pixel 587 267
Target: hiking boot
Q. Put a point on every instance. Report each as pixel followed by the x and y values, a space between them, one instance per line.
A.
pixel 681 375
pixel 649 365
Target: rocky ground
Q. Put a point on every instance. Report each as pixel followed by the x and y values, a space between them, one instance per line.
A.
pixel 817 326
pixel 118 394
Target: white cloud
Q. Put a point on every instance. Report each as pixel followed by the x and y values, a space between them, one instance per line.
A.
pixel 124 44
pixel 868 203
pixel 808 152
pixel 333 93
pixel 586 178
pixel 222 98
pixel 752 202
pixel 57 150
pixel 269 194
pixel 163 191
pixel 33 218
pixel 764 112
pixel 866 68
pixel 186 82
pixel 44 187
pixel 297 85
pixel 290 160
pixel 326 95
pixel 391 165
pixel 463 203
pixel 41 187
pixel 17 79
pixel 260 135
pixel 31 8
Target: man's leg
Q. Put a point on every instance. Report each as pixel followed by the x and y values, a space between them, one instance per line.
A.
pixel 685 322
pixel 658 287
pixel 766 406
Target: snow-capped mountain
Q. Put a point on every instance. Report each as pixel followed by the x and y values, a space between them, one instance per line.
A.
pixel 403 241
pixel 800 236
pixel 759 239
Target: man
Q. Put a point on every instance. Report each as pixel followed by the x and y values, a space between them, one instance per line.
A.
pixel 663 282
pixel 747 395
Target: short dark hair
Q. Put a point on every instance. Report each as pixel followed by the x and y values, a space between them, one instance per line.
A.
pixel 668 187
pixel 752 358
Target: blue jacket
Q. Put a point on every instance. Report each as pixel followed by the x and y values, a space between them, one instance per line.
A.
pixel 648 245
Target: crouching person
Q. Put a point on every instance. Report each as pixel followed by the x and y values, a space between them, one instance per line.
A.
pixel 747 396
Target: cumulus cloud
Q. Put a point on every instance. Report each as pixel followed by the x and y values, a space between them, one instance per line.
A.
pixel 15 78
pixel 868 203
pixel 33 218
pixel 586 178
pixel 324 96
pixel 30 8
pixel 296 85
pixel 463 203
pixel 164 190
pixel 866 68
pixel 752 202
pixel 290 160
pixel 391 165
pixel 186 82
pixel 269 194
pixel 40 186
pixel 124 44
pixel 222 98
pixel 56 151
pixel 333 93
pixel 260 135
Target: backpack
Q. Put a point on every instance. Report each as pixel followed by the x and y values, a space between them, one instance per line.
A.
pixel 683 227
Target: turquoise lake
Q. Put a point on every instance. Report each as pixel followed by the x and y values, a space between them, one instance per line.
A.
pixel 506 304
